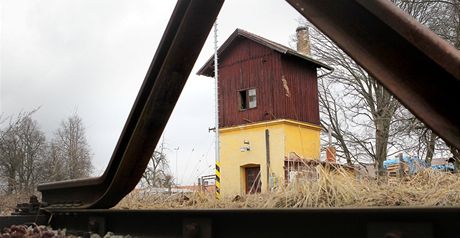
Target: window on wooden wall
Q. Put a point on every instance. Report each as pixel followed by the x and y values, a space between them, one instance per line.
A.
pixel 252 98
pixel 248 99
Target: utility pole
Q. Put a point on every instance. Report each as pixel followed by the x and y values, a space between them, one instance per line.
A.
pixel 177 174
pixel 267 151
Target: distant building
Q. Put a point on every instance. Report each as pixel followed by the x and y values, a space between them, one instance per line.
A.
pixel 268 110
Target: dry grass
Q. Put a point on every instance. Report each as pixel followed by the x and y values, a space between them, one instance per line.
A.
pixel 332 189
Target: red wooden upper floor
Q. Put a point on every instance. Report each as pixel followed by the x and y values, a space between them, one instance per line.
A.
pixel 260 80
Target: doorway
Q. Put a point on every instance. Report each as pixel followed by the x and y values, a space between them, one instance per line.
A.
pixel 252 178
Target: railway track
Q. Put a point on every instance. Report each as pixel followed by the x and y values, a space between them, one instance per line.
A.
pixel 427 82
pixel 343 222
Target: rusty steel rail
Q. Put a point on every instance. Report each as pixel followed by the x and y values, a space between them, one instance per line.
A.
pixel 314 222
pixel 418 67
pixel 427 222
pixel 187 30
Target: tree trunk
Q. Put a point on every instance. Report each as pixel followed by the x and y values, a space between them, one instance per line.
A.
pixel 381 141
pixel 431 144
pixel 457 33
pixel 11 182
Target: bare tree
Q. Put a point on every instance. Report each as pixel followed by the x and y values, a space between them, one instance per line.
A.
pixel 366 120
pixel 354 105
pixel 70 155
pixel 332 119
pixel 22 149
pixel 417 139
pixel 443 18
pixel 157 172
pixel 54 165
pixel 26 158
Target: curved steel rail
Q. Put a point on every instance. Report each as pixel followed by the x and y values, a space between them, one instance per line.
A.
pixel 179 48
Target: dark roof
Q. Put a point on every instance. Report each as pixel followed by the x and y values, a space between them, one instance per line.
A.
pixel 208 68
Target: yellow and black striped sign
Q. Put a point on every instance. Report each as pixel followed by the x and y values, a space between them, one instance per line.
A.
pixel 217 179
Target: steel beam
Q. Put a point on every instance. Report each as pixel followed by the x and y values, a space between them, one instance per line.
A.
pixel 179 48
pixel 326 222
pixel 414 64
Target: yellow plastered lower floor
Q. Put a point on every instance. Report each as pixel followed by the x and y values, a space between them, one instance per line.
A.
pixel 245 146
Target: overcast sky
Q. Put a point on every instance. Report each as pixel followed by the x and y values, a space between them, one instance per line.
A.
pixel 91 56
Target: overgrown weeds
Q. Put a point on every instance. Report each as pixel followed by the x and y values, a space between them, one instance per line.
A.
pixel 331 188
pixel 9 202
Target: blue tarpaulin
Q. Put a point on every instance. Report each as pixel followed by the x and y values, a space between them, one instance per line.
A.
pixel 415 164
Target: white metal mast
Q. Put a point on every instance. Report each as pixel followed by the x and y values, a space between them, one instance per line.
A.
pixel 216 80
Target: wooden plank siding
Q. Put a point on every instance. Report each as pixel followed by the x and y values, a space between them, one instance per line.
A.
pixel 303 104
pixel 247 64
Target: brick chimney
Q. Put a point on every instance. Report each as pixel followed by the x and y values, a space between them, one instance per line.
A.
pixel 330 154
pixel 303 40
